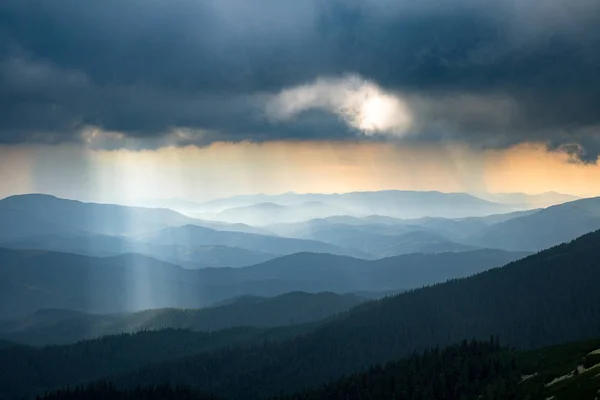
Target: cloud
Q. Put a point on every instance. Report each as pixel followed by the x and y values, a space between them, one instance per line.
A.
pixel 360 103
pixel 488 74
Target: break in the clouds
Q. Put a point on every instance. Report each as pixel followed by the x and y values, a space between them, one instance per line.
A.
pixel 361 104
pixel 132 73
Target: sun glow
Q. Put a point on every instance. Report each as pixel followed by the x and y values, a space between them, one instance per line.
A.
pixel 362 104
pixel 382 112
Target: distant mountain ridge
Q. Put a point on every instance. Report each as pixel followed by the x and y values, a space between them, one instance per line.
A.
pixel 541 200
pixel 193 235
pixel 385 236
pixel 394 203
pixel 530 230
pixel 268 212
pixel 107 219
pixel 49 223
pixel 545 228
pixel 52 214
pixel 30 280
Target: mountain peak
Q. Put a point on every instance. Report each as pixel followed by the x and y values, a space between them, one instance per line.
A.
pixel 32 196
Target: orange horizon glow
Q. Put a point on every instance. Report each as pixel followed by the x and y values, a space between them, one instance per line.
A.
pixel 227 169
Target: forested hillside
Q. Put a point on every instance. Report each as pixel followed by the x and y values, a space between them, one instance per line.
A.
pixel 454 373
pixel 62 327
pixel 475 370
pixel 544 299
pixel 463 371
pixel 26 371
pixel 107 391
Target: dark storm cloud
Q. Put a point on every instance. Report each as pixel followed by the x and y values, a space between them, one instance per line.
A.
pixel 488 73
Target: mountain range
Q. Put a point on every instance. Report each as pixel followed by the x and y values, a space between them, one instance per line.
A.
pixel 529 201
pixel 262 213
pixel 35 279
pixel 49 223
pixel 518 200
pixel 545 228
pixel 394 203
pixel 563 372
pixel 51 326
pixel 544 299
pixel 100 230
pixel 530 230
pixel 194 235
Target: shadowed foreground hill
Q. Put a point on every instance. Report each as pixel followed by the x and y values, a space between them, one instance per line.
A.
pixel 469 370
pixel 6 344
pixel 544 299
pixel 476 371
pixel 438 374
pixel 287 309
pixel 63 327
pixel 26 371
pixel 107 391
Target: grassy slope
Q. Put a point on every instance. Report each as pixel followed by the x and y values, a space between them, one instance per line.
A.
pixel 560 361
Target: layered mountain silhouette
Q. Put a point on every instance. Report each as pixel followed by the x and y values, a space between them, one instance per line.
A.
pixel 269 212
pixel 385 236
pixel 51 326
pixel 49 223
pixel 541 200
pixel 544 299
pixel 530 230
pixel 544 228
pixel 393 203
pixel 61 214
pixel 34 279
pixel 193 235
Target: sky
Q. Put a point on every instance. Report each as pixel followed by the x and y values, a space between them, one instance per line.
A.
pixel 120 99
